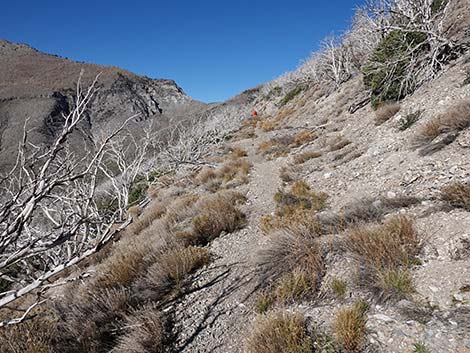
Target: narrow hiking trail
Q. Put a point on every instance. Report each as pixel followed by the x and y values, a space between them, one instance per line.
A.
pixel 215 315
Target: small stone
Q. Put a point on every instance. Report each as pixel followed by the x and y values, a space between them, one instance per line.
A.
pixel 391 195
pixel 383 317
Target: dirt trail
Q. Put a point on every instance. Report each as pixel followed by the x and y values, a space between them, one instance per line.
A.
pixel 215 315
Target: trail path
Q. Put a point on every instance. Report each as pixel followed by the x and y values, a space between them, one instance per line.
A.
pixel 215 315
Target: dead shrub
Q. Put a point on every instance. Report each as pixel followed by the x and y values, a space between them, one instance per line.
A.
pixel 305 156
pixel 304 137
pixel 237 152
pixel 350 328
pixel 385 112
pixel 384 248
pixel 279 332
pixel 145 332
pixel 457 195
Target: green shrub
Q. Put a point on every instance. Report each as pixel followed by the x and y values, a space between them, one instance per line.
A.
pixel 291 95
pixel 386 73
pixel 438 5
pixel 137 191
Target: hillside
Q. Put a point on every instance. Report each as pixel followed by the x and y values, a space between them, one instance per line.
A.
pixel 335 220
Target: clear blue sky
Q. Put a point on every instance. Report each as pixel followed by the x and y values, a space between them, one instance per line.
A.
pixel 213 49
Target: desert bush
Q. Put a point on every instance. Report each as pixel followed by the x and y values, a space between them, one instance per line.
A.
pixel 383 252
pixel 385 112
pixel 305 156
pixel 144 332
pixel 457 194
pixel 386 73
pixel 279 332
pixel 216 215
pixel 350 328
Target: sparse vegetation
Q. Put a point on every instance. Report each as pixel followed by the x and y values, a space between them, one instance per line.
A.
pixel 296 207
pixel 451 122
pixel 466 81
pixel 338 142
pixel 291 95
pixel 386 111
pixel 350 327
pixel 305 156
pixel 279 332
pixel 457 195
pixel 280 146
pixel 420 347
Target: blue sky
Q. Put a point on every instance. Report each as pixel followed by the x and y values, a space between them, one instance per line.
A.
pixel 213 49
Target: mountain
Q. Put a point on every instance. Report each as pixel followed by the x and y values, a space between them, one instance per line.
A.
pixel 42 87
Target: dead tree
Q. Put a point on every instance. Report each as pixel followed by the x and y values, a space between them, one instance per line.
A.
pixel 49 217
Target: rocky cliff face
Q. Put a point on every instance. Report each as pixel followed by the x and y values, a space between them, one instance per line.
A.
pixel 41 87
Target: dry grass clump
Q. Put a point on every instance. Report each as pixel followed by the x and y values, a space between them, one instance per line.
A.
pixel 350 327
pixel 217 214
pixel 170 269
pixel 385 112
pixel 363 210
pixel 305 156
pixel 451 122
pixel 295 207
pixel 123 265
pixel 291 251
pixel 145 332
pixel 88 324
pixel 385 252
pixel 280 146
pixel 300 196
pixel 279 332
pixel 457 195
pixel 247 129
pixel 235 169
pixel 338 287
pixel 337 143
pixel 37 335
pixel 303 137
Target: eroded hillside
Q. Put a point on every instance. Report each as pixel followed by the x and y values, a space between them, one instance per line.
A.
pixel 324 223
